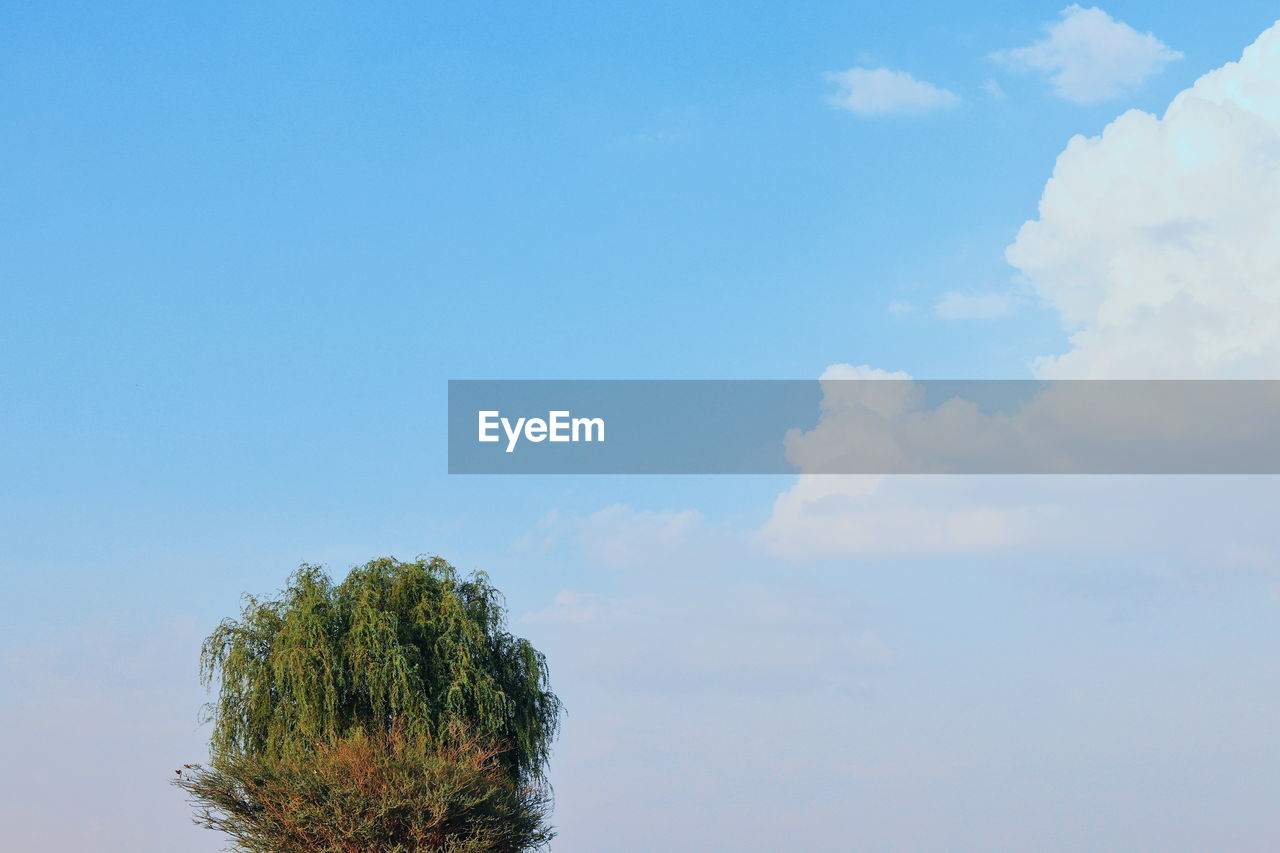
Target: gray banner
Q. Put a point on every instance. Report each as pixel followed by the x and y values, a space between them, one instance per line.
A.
pixel 864 427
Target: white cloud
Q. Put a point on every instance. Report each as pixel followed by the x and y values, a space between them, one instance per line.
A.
pixel 575 607
pixel 1157 241
pixel 883 91
pixel 973 306
pixel 861 371
pixel 974 692
pixel 724 634
pixel 824 516
pixel 622 538
pixel 1089 56
pixel 959 677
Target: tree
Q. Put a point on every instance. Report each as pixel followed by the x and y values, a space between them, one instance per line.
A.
pixel 390 712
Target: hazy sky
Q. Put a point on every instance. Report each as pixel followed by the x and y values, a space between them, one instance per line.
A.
pixel 244 248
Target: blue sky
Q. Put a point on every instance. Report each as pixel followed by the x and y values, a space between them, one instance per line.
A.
pixel 244 249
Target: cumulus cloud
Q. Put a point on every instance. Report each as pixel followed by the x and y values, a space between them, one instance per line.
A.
pixel 1156 241
pixel 884 91
pixel 864 516
pixel 1041 700
pixel 1038 426
pixel 861 371
pixel 1089 56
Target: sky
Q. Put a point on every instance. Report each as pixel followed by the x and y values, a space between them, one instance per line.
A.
pixel 244 247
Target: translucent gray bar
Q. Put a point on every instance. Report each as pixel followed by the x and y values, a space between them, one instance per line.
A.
pixel 846 426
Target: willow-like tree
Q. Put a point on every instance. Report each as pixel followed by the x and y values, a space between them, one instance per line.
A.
pixel 403 675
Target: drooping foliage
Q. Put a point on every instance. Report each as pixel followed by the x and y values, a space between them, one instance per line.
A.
pixel 405 646
pixel 389 793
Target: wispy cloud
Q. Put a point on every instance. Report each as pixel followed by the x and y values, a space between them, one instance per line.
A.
pixel 884 91
pixel 1090 56
pixel 973 306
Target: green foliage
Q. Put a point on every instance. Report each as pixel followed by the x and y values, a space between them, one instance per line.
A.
pixel 406 646
pixel 390 793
